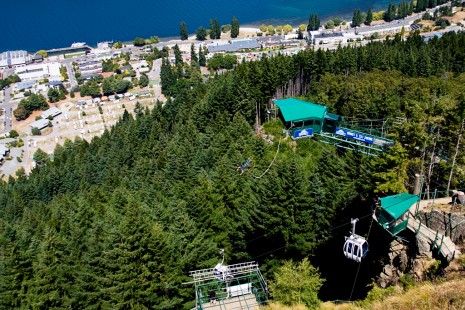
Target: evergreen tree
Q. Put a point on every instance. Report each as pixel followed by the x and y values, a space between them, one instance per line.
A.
pixel 183 31
pixel 390 14
pixel 234 27
pixel 167 77
pixel 202 58
pixel 143 80
pixel 356 18
pixel 215 29
pixel 369 18
pixel 194 57
pixel 177 55
pixel 201 33
pixel 313 22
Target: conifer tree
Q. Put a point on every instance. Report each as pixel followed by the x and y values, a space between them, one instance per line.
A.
pixel 234 28
pixel 313 22
pixel 183 31
pixel 201 33
pixel 194 57
pixel 215 29
pixel 202 59
pixel 356 18
pixel 369 18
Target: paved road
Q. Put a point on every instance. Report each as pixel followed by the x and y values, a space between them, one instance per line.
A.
pixel 8 106
pixel 72 77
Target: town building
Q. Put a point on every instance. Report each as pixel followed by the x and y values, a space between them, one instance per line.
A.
pixel 53 112
pixel 234 46
pixel 39 71
pixel 12 59
pixel 40 124
pixel 383 29
pixel 93 66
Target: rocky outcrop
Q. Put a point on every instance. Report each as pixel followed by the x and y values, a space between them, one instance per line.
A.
pixel 397 264
pixel 441 221
pixel 416 256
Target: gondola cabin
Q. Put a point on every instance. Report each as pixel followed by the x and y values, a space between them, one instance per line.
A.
pixel 355 248
pixel 221 272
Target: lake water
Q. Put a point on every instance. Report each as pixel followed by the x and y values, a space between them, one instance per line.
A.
pixel 34 25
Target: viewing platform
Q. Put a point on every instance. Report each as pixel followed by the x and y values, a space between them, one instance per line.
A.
pixel 399 212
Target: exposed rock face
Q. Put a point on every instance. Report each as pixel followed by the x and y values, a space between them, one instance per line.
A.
pixel 398 263
pixel 424 247
pixel 440 221
pixel 416 256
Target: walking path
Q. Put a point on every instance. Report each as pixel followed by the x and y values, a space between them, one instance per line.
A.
pixel 437 240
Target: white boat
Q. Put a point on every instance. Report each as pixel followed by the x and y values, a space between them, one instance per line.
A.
pixel 78 44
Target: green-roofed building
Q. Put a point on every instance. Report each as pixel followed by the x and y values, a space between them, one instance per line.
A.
pixel 393 209
pixel 304 118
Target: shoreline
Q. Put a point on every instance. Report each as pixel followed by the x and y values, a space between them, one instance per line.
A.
pixel 253 26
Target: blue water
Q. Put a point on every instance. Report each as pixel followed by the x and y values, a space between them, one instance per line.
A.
pixel 34 25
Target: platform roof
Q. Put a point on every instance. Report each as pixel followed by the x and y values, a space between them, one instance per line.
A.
pixel 294 110
pixel 397 205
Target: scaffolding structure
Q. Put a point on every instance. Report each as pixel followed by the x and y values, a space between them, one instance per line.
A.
pixel 243 287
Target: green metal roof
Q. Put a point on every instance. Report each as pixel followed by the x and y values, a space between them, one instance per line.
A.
pixel 298 110
pixel 397 205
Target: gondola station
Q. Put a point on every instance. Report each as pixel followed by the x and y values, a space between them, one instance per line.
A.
pixel 229 287
pixel 305 119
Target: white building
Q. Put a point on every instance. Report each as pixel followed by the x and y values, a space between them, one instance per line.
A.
pixel 53 111
pixel 40 124
pixel 384 29
pixel 13 59
pixel 49 71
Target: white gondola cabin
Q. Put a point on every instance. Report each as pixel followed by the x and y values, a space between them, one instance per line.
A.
pixel 221 272
pixel 355 247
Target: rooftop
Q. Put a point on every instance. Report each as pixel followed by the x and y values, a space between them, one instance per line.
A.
pixel 234 46
pixel 298 110
pixel 53 111
pixel 397 205
pixel 40 124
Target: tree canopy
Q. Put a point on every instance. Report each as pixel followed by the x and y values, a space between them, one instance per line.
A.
pixel 313 22
pixel 120 221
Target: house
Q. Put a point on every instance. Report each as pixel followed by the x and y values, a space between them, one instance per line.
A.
pixel 93 66
pixel 111 97
pixel 24 85
pixel 80 103
pixel 97 100
pixel 40 124
pixel 54 84
pixel 125 69
pixel 53 112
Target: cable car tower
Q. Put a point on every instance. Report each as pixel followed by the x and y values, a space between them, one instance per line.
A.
pixel 229 287
pixel 355 247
